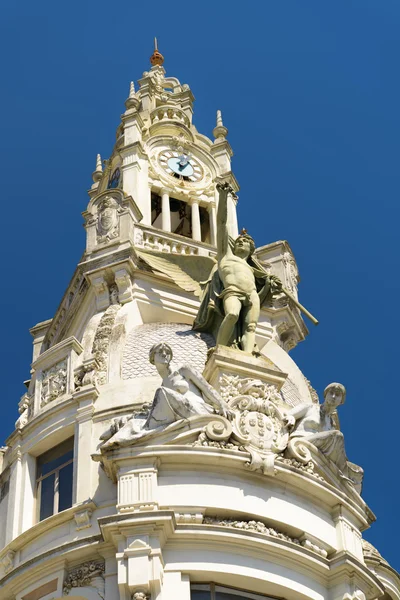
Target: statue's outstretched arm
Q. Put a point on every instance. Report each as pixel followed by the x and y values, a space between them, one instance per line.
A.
pixel 222 219
pixel 299 411
pixel 209 394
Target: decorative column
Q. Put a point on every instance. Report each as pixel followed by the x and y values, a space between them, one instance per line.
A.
pixel 14 510
pixel 196 229
pixel 213 223
pixel 165 211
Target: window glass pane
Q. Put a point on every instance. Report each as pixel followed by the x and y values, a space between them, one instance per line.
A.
pixel 65 487
pixel 53 464
pixel 55 457
pixel 47 497
pixel 200 594
pixel 227 596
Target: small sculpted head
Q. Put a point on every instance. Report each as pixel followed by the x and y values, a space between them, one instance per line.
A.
pixel 335 395
pixel 114 294
pixel 160 354
pixel 244 245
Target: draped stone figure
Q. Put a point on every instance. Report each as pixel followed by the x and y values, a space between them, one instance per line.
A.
pixel 183 393
pixel 319 425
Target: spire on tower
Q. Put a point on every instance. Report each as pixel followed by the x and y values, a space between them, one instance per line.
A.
pixel 132 101
pixel 220 132
pixel 156 58
pixel 98 172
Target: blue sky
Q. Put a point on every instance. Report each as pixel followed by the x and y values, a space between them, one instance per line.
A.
pixel 310 93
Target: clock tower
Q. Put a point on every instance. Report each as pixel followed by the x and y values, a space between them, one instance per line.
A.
pixel 158 191
pixel 162 161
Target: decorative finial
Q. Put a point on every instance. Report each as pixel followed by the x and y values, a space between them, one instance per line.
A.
pixel 156 58
pixel 220 132
pixel 243 232
pixel 132 101
pixel 98 172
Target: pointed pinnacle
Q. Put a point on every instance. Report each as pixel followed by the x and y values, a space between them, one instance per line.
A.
pixel 98 173
pixel 132 101
pixel 220 132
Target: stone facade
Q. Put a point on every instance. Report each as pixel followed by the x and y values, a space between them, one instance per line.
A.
pixel 235 496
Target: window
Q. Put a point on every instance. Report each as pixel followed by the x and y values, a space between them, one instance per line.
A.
pixel 54 479
pixel 155 210
pixel 210 591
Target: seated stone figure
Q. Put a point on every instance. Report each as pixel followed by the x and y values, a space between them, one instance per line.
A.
pixel 317 423
pixel 183 393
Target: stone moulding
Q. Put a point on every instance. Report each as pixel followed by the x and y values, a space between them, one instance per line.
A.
pixel 67 309
pixel 7 562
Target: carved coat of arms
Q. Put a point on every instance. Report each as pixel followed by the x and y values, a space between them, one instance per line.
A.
pixel 107 220
pixel 260 425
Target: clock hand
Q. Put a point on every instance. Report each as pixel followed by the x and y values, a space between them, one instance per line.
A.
pixel 183 161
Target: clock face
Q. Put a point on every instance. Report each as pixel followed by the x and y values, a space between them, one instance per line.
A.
pixel 181 166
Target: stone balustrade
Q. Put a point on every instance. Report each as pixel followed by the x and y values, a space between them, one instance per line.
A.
pixel 163 241
pixel 169 113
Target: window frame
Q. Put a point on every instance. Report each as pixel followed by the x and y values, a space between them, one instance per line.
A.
pixel 69 445
pixel 213 588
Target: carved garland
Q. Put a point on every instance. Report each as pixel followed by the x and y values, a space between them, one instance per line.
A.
pixel 87 574
pixel 101 342
pixel 260 527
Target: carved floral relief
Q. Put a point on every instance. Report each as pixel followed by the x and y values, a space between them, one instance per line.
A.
pixel 54 383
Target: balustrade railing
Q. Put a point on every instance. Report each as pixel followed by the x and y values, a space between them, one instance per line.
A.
pixel 169 113
pixel 164 241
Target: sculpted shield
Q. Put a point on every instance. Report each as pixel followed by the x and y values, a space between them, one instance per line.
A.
pixel 260 425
